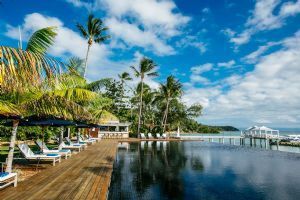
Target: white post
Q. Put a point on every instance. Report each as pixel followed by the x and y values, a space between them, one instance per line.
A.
pixel 259 133
pixel 20 38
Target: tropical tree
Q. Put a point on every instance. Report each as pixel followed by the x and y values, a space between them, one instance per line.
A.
pixel 93 32
pixel 31 85
pixel 76 64
pixel 124 77
pixel 145 69
pixel 169 91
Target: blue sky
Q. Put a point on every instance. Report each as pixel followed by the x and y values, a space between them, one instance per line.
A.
pixel 239 59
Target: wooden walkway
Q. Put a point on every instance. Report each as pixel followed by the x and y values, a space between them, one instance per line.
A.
pixel 85 175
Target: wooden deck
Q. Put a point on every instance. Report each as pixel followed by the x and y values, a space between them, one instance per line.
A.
pixel 86 175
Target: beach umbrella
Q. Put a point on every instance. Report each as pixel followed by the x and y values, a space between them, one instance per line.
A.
pixel 46 122
pixel 53 122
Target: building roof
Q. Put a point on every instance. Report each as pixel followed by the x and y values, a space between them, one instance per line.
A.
pixel 259 128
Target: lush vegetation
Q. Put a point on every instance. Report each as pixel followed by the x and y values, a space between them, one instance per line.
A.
pixel 35 86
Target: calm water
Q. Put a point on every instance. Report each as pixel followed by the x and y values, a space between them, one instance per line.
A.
pixel 259 145
pixel 200 170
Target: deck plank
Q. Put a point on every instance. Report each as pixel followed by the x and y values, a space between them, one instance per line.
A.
pixel 83 176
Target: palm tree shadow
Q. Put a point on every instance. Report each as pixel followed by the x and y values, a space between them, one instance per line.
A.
pixel 103 167
pixel 99 170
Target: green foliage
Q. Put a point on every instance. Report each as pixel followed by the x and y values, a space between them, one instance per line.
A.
pixel 41 40
pixel 76 64
pixel 94 30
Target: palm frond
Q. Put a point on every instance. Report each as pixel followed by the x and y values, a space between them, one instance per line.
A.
pixel 76 64
pixel 136 72
pixel 101 39
pixel 96 86
pixel 20 70
pixel 82 30
pixel 76 94
pixel 56 106
pixel 8 109
pixel 153 74
pixel 41 40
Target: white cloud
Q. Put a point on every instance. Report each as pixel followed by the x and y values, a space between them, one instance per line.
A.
pixel 166 18
pixel 254 56
pixel 205 10
pixel 228 32
pixel 69 43
pixel 228 64
pixel 196 76
pixel 192 41
pixel 199 79
pixel 270 93
pixel 201 68
pixel 290 8
pixel 149 22
pixel 264 18
pixel 79 3
pixel 134 36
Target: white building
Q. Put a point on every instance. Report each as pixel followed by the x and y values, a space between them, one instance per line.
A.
pixel 261 131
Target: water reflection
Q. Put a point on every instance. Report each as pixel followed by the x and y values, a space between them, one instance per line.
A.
pixel 197 170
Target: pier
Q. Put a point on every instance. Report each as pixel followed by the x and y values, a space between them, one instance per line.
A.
pixel 252 140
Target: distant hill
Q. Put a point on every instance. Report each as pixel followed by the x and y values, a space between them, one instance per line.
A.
pixel 226 128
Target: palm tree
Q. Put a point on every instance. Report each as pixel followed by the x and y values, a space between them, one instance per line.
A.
pixel 169 91
pixel 144 69
pixel 77 65
pixel 94 32
pixel 123 78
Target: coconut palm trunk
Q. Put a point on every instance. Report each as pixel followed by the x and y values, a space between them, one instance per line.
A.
pixel 10 156
pixel 86 58
pixel 141 106
pixel 165 116
pixel 61 135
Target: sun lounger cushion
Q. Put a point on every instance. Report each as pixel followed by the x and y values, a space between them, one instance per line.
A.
pixel 52 154
pixel 3 174
pixel 64 150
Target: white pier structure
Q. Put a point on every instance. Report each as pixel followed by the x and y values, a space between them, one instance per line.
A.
pixel 261 132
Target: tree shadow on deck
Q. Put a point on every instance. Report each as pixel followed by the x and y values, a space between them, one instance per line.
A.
pixel 99 170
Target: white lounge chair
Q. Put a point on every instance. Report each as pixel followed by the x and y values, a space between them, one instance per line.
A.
pixel 81 144
pixel 158 136
pixel 63 145
pixel 7 179
pixel 89 141
pixel 93 138
pixel 30 156
pixel 64 152
pixel 164 136
pixel 143 136
pixel 150 136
